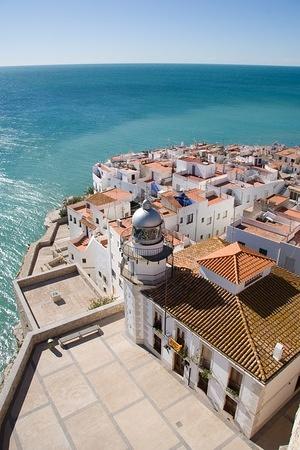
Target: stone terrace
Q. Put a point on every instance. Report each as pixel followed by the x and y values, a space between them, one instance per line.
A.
pixel 105 392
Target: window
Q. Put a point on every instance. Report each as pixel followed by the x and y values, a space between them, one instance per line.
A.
pixel 88 206
pixel 205 359
pixel 218 216
pixel 230 406
pixel 75 220
pixel 104 289
pixel 83 260
pixel 225 213
pixel 181 219
pixel 120 283
pixel 157 321
pixel 208 221
pixel 113 273
pixel 97 220
pixel 263 251
pixel 72 256
pixel 235 381
pixel 201 237
pixel 71 219
pixel 189 218
pixel 100 274
pixel 202 219
pixel 133 177
pixel 104 279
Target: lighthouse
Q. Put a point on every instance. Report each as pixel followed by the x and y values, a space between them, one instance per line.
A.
pixel 144 265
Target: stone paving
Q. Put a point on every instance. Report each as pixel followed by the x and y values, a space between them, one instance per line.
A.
pixel 104 392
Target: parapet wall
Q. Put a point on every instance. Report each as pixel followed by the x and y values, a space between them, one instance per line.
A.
pixel 46 240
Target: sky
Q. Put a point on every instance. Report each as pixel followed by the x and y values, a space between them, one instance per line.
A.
pixel 35 32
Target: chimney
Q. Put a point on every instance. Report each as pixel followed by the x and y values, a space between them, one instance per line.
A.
pixel 278 351
pixel 119 222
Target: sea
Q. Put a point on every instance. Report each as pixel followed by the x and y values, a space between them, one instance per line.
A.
pixel 56 121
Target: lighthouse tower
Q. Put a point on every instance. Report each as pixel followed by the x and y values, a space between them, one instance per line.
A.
pixel 144 265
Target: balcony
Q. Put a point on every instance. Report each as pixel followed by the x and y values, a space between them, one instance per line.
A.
pixel 233 389
pixel 149 280
pixel 148 254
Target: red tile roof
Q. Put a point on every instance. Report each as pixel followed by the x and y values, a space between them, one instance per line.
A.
pixel 245 327
pixel 236 263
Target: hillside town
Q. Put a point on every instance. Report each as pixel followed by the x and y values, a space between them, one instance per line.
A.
pixel 184 261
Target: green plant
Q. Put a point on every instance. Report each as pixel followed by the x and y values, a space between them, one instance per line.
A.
pixel 96 302
pixel 183 352
pixel 233 392
pixel 206 374
pixel 89 190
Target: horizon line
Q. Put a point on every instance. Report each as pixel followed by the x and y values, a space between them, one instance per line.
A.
pixel 147 63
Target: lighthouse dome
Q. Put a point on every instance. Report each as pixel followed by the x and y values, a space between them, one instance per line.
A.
pixel 146 222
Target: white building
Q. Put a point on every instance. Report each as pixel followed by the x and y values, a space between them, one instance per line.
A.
pixel 94 225
pixel 218 329
pixel 196 214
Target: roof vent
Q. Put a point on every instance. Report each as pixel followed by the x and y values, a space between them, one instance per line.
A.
pixel 278 351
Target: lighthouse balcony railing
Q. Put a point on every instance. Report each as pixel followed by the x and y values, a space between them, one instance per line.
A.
pixel 150 280
pixel 137 253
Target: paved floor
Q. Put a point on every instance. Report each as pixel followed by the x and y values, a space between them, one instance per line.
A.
pixel 76 295
pixel 107 393
pixel 45 254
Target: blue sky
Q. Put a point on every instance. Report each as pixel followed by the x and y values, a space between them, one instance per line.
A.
pixel 132 31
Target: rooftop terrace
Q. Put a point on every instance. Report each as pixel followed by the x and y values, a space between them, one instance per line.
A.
pixel 106 392
pixel 74 287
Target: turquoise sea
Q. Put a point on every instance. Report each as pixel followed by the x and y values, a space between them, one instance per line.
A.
pixel 56 121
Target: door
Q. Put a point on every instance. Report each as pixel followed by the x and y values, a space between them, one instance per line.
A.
pixel 178 360
pixel 157 344
pixel 230 406
pixel 202 383
pixel 178 364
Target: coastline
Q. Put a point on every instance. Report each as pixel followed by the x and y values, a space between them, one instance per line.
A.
pixel 52 223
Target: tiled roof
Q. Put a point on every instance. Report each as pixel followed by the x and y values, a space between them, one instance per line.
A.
pixel 245 327
pixel 109 196
pixel 236 263
pixel 99 199
pixel 88 224
pixel 189 257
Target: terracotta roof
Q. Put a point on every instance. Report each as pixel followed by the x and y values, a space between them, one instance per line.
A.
pixel 99 199
pixel 123 227
pixel 236 263
pixel 159 167
pixel 109 196
pixel 245 327
pixel 88 224
pixel 189 257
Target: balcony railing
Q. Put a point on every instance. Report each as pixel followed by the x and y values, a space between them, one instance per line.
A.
pixel 149 280
pixel 156 254
pixel 233 388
